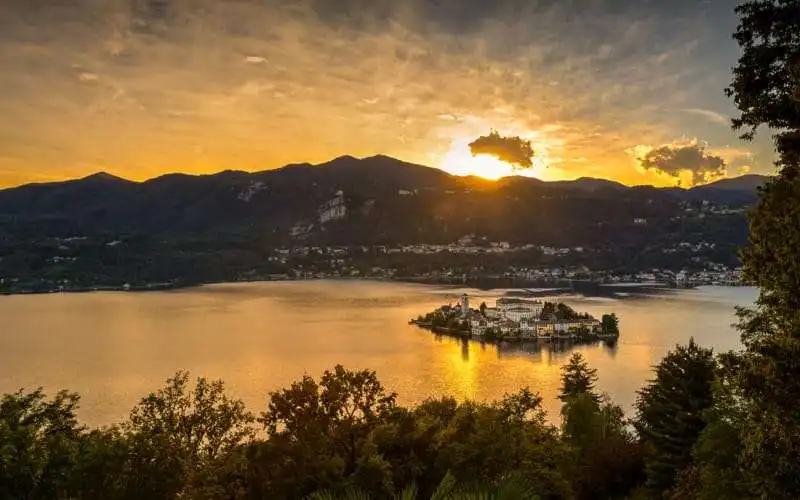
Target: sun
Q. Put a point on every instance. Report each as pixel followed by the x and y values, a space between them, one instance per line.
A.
pixel 459 161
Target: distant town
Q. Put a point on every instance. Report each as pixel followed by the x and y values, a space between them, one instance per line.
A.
pixel 88 264
pixel 417 224
pixel 340 262
pixel 518 319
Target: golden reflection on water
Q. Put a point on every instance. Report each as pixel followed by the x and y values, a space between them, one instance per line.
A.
pixel 114 348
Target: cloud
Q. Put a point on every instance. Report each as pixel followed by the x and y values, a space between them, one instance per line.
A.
pixel 513 150
pixel 709 115
pixel 687 160
pixel 88 77
pixel 325 78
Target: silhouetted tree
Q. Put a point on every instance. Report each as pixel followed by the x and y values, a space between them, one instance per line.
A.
pixel 670 412
pixel 577 378
pixel 39 442
pixel 767 377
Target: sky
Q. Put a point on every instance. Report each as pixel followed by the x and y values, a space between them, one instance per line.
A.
pixel 630 90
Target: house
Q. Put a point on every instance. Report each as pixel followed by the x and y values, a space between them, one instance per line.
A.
pixel 544 328
pixel 518 309
pixel 507 327
pixel 479 326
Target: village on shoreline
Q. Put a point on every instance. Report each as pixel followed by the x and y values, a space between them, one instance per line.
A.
pixel 519 319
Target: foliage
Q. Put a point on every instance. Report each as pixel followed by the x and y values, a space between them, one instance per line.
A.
pixel 606 457
pixel 560 311
pixel 446 318
pixel 39 444
pixel 344 436
pixel 766 377
pixel 764 85
pixel 507 488
pixel 670 411
pixel 610 324
pixel 716 472
pixel 577 378
pixel 491 334
pixel 179 430
pixel 345 432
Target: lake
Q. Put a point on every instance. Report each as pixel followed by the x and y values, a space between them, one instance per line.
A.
pixel 114 348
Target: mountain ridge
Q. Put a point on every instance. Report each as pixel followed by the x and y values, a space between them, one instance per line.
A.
pixel 218 227
pixel 743 182
pixel 384 200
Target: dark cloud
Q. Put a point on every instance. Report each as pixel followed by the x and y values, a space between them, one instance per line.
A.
pixel 151 16
pixel 458 17
pixel 674 160
pixel 513 150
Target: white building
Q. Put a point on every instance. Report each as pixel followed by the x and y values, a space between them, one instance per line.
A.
pixel 479 326
pixel 333 209
pixel 519 309
pixel 567 326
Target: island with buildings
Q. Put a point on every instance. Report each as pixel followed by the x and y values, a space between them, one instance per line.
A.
pixel 519 319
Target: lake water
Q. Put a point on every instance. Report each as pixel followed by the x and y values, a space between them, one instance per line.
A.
pixel 114 348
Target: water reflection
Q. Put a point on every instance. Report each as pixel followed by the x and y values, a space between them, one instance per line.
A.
pixel 116 348
pixel 553 349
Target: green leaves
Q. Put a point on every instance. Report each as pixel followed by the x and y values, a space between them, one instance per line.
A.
pixel 610 324
pixel 507 488
pixel 39 441
pixel 178 432
pixel 670 411
pixel 764 378
pixel 200 424
pixel 577 378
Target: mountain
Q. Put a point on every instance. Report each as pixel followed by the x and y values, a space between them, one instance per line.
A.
pixel 749 182
pixel 590 184
pixel 387 200
pixel 203 228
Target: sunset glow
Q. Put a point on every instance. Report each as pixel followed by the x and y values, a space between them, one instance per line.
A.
pixel 459 161
pixel 141 88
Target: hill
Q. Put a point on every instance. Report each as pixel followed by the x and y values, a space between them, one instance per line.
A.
pixel 192 222
pixel 281 198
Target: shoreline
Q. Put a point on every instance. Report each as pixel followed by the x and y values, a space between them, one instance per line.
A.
pixel 451 332
pixel 487 284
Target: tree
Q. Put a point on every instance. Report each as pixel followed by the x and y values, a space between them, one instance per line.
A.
pixel 507 488
pixel 320 434
pixel 491 334
pixel 610 324
pixel 670 412
pixel 39 440
pixel 578 378
pixel 103 471
pixel 565 312
pixel 607 460
pixel 767 377
pixel 177 433
pixel 716 472
pixel 481 443
pixel 764 86
pixel 548 310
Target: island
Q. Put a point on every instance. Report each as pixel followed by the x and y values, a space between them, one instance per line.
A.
pixel 519 319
